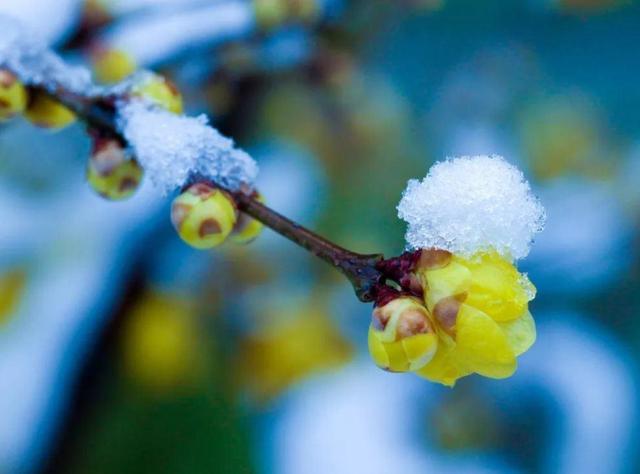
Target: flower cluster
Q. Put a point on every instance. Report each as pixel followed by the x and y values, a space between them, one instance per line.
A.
pixel 473 317
pixel 463 308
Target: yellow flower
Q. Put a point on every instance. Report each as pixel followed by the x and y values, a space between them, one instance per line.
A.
pixel 479 307
pixel 299 340
pixel 161 347
pixel 401 335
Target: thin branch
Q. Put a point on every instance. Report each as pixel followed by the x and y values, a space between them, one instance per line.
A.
pixel 361 270
pixel 365 272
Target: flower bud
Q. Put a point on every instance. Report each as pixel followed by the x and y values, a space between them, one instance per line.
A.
pixel 110 172
pixel 160 91
pixel 45 112
pixel 401 335
pixel 203 216
pixel 247 228
pixel 13 96
pixel 112 65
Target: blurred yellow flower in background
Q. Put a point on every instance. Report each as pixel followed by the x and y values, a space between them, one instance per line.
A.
pixel 161 347
pixel 297 342
pixel 563 135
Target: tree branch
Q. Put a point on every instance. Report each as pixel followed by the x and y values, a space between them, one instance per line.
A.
pixel 365 272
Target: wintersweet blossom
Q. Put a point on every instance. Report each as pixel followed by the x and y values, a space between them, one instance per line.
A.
pixel 469 218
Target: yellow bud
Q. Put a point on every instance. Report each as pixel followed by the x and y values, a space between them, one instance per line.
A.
pixel 110 172
pixel 203 216
pixel 113 65
pixel 402 336
pixel 45 112
pixel 13 96
pixel 162 92
pixel 247 229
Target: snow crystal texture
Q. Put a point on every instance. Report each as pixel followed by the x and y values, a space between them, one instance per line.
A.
pixel 471 204
pixel 173 149
pixel 28 56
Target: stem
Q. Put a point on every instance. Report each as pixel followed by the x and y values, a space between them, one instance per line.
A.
pixel 361 270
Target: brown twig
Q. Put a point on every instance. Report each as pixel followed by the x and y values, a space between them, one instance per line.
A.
pixel 361 270
pixel 367 273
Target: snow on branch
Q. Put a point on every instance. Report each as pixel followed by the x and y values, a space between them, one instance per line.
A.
pixel 171 148
pixel 26 54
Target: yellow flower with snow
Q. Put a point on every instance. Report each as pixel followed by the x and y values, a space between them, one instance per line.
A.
pixel 467 221
pixel 474 319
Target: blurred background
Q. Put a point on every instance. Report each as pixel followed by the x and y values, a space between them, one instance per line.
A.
pixel 124 351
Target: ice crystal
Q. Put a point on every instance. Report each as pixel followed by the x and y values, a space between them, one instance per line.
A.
pixel 28 56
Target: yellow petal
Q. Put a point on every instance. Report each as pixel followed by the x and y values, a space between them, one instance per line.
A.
pixel 420 349
pixel 521 333
pixel 410 353
pixel 481 345
pixel 376 349
pixel 398 361
pixel 454 279
pixel 497 288
pixel 443 367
